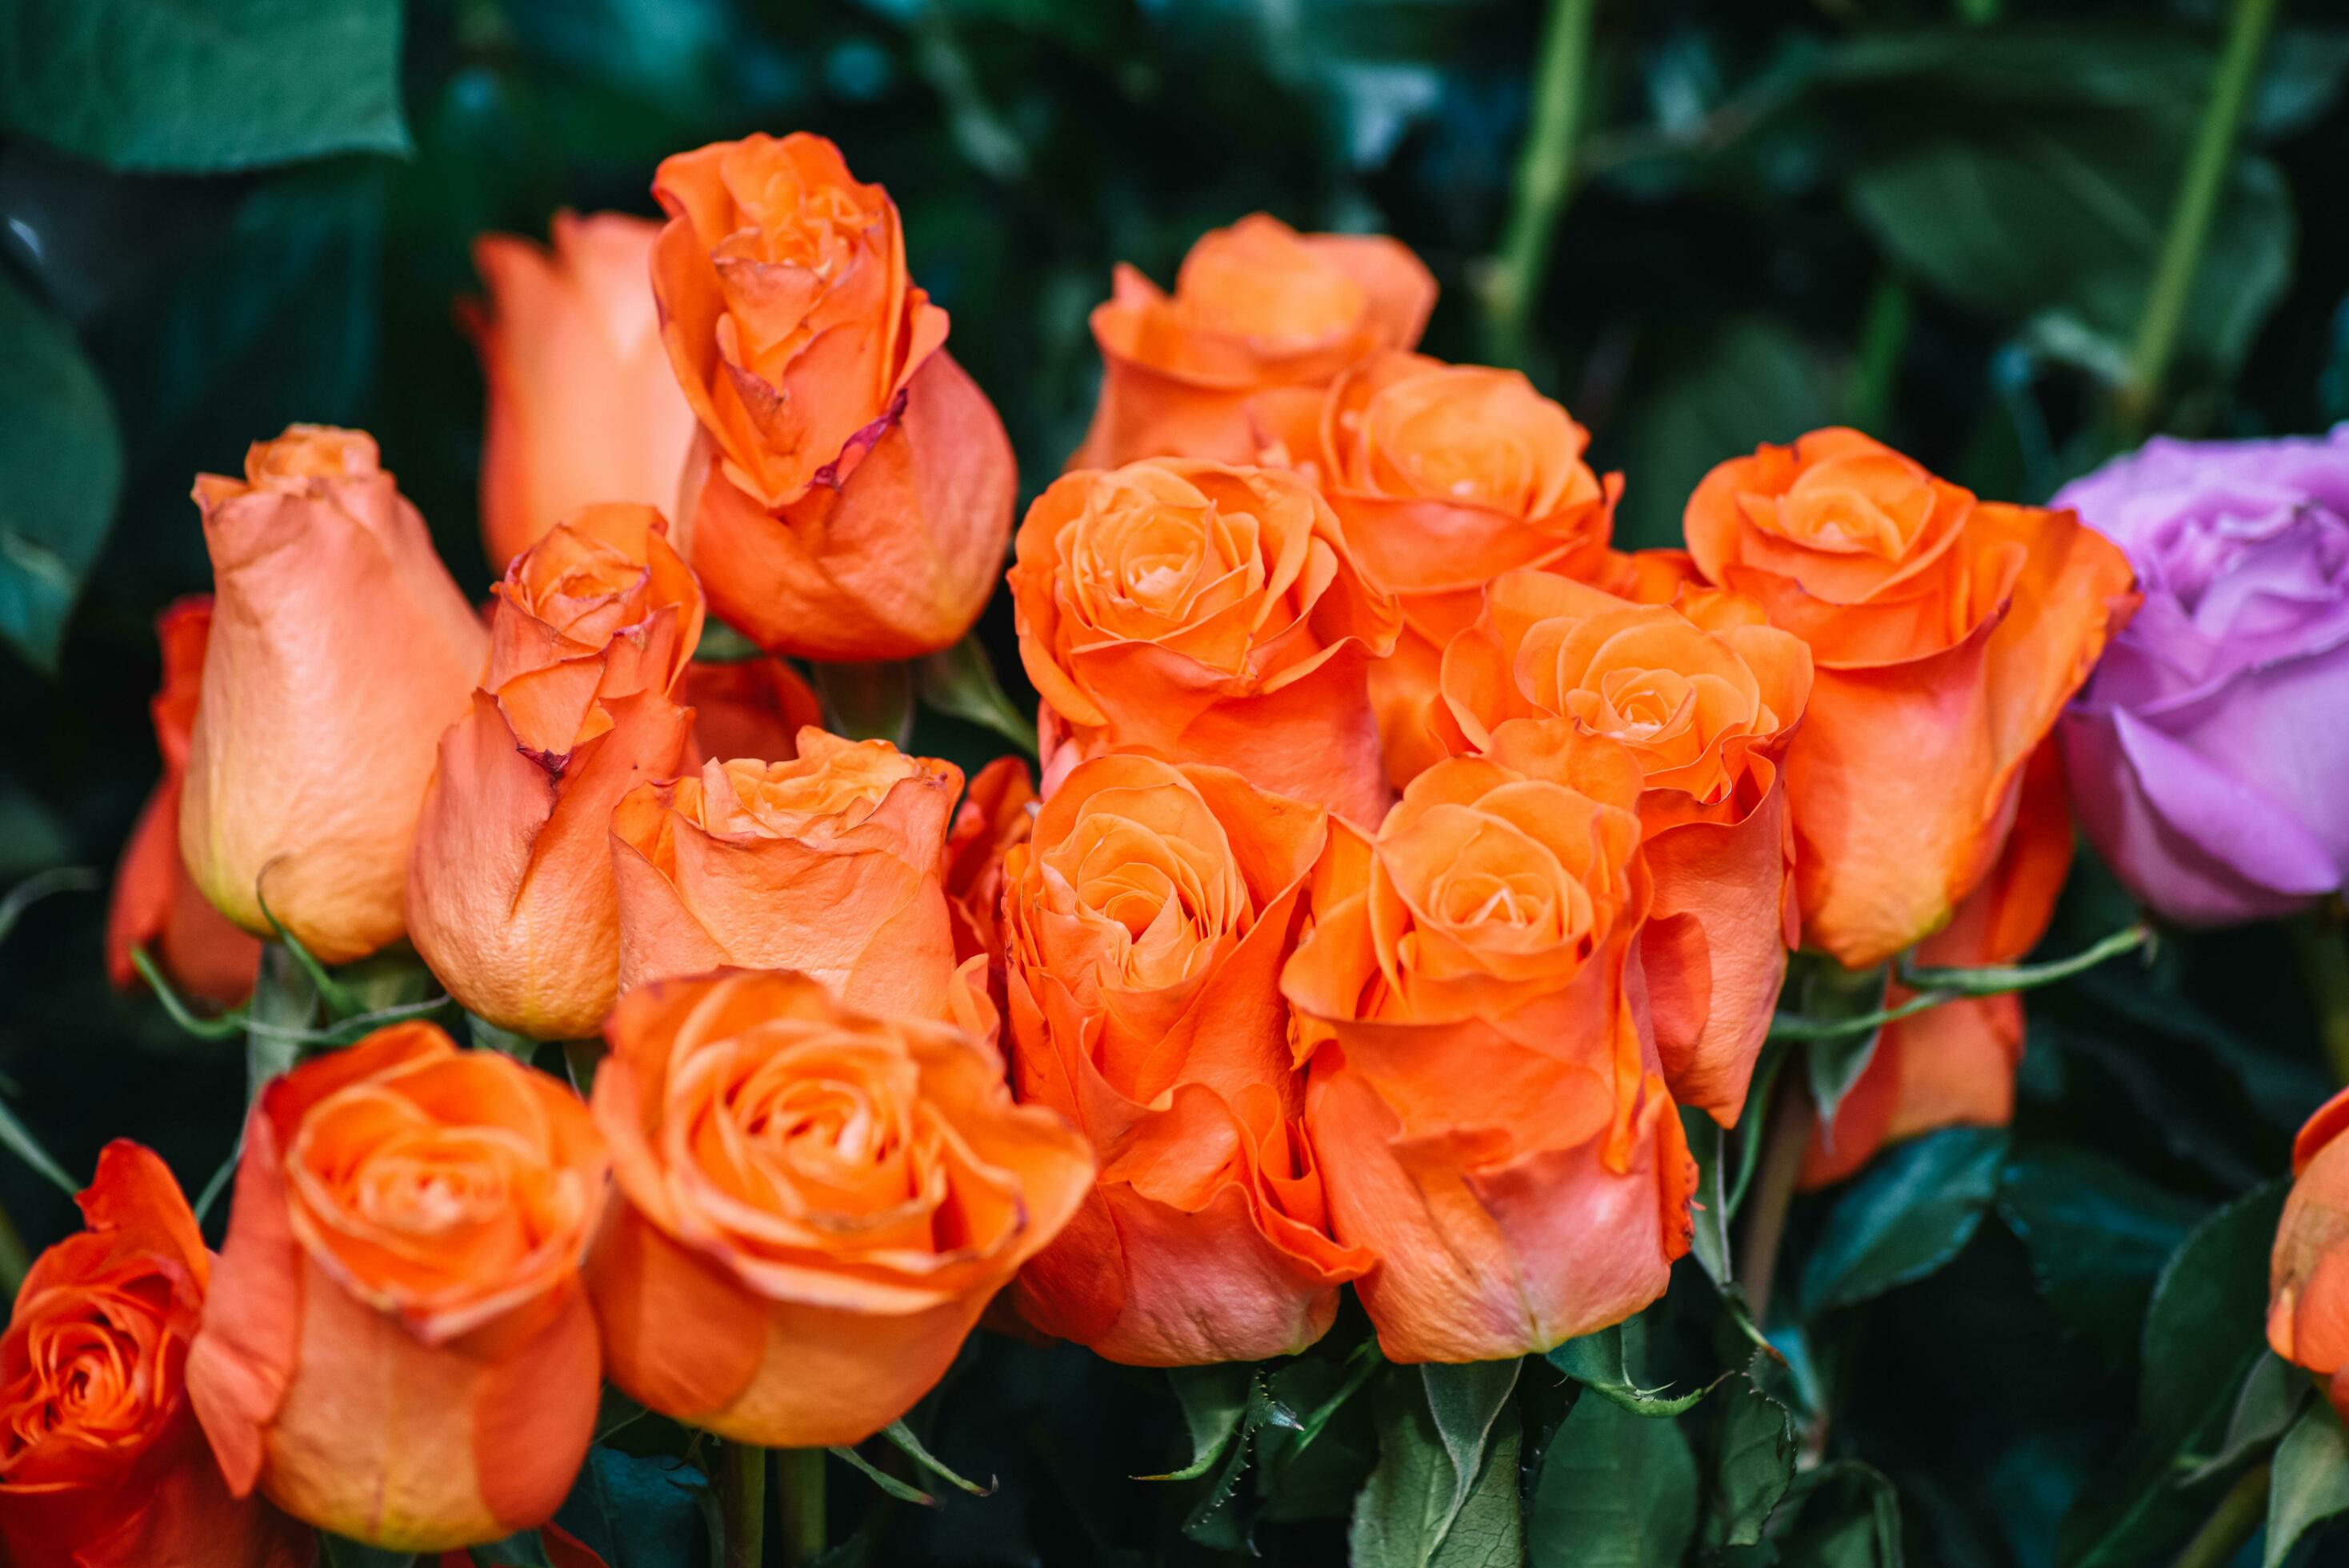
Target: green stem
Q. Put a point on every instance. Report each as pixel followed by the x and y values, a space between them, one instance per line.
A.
pixel 799 1477
pixel 1788 1136
pixel 2231 1523
pixel 742 1505
pixel 1883 337
pixel 2321 945
pixel 1545 174
pixel 2198 189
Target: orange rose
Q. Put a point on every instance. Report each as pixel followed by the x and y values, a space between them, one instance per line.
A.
pixel 1488 1113
pixel 851 490
pixel 1948 633
pixel 101 1462
pixel 1146 923
pixel 1707 698
pixel 155 905
pixel 509 894
pixel 1255 305
pixel 1206 614
pixel 340 650
pixel 2308 1273
pixel 747 709
pixel 819 1204
pixel 582 406
pixel 996 812
pixel 399 1346
pixel 1954 1064
pixel 828 863
pixel 1444 476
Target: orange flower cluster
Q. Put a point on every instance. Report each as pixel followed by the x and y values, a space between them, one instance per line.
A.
pixel 1404 860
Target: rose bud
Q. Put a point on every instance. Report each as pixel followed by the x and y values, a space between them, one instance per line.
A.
pixel 399 1346
pixel 1707 698
pixel 155 905
pixel 850 491
pixel 1443 477
pixel 1256 305
pixel 829 863
pixel 1146 923
pixel 1946 632
pixel 1206 614
pixel 2208 749
pixel 340 649
pixel 102 1464
pixel 510 894
pixel 582 406
pixel 750 709
pixel 1954 1064
pixel 819 1204
pixel 1489 1117
pixel 2308 1273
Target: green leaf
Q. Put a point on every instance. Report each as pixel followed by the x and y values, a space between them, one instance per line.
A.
pixel 903 1436
pixel 1749 380
pixel 960 681
pixel 2310 1481
pixel 1753 1463
pixel 2273 1391
pixel 2206 1323
pixel 1443 1493
pixel 61 465
pixel 636 1512
pixel 1599 1362
pixel 902 1491
pixel 2097 1237
pixel 1709 1211
pixel 866 702
pixel 1215 1401
pixel 1616 1491
pixel 283 1005
pixel 1905 1216
pixel 1850 1519
pixel 1841 1006
pixel 200 89
pixel 2204 1329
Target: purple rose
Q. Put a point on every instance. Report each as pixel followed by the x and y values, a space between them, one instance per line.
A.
pixel 2208 753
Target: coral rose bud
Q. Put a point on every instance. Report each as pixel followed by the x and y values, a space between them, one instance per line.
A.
pixel 582 406
pixel 2308 1273
pixel 102 1464
pixel 1707 698
pixel 1954 1064
pixel 1146 923
pixel 1256 305
pixel 155 905
pixel 1488 1112
pixel 1947 635
pixel 1444 476
pixel 2208 749
pixel 509 893
pixel 830 863
pixel 752 708
pixel 340 649
pixel 399 1346
pixel 849 493
pixel 819 1204
pixel 1206 614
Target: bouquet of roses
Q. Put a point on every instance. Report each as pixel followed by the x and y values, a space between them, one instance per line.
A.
pixel 1395 896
